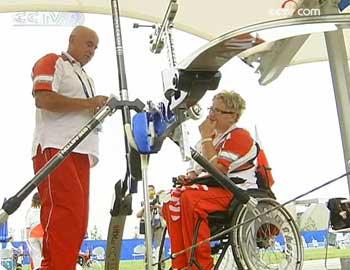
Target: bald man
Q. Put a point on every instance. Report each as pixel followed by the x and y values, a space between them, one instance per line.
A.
pixel 65 101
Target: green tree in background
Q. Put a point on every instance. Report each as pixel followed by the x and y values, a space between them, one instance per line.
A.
pixel 95 234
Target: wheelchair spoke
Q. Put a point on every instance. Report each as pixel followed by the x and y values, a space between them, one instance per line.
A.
pixel 271 242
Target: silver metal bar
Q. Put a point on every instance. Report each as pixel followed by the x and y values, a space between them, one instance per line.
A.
pixel 217 46
pixel 341 79
pixel 3 216
pixel 169 17
pixel 147 213
pixel 170 46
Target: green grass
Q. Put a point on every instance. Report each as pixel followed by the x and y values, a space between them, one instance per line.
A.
pixel 320 253
pixel 310 254
pixel 124 265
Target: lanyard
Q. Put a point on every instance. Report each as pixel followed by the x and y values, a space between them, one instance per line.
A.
pixel 84 86
pixel 80 79
pixel 220 138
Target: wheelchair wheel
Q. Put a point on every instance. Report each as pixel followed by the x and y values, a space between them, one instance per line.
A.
pixel 270 242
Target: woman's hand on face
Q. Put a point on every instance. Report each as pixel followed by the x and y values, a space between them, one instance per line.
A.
pixel 207 128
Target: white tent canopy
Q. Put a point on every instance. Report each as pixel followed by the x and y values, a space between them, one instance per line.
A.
pixel 209 19
pixel 206 19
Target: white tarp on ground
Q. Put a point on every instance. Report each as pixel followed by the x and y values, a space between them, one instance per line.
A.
pixel 204 18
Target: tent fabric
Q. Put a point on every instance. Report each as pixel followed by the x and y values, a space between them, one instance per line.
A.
pixel 313 50
pixel 206 19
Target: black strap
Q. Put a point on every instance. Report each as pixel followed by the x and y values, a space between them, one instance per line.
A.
pixel 238 180
pixel 209 181
pixel 84 86
pixel 251 161
pixel 65 58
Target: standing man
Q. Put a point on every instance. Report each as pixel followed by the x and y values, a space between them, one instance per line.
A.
pixel 157 222
pixel 65 101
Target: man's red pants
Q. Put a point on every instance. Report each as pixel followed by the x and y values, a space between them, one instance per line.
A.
pixel 195 205
pixel 64 208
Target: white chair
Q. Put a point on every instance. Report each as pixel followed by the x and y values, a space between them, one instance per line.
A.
pixel 98 253
pixel 139 251
pixel 6 253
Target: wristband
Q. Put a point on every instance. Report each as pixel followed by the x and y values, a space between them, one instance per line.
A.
pixel 212 158
pixel 206 140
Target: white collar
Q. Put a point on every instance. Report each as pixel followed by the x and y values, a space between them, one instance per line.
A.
pixel 219 138
pixel 71 59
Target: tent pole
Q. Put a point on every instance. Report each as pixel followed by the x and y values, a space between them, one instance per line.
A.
pixel 340 78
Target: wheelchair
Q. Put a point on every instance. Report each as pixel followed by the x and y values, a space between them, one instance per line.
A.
pixel 271 241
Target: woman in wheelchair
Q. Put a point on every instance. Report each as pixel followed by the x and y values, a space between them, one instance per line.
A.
pixel 231 150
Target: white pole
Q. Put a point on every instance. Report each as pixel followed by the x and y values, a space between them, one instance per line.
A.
pixel 340 77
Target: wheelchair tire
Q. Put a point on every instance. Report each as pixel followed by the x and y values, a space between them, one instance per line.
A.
pixel 269 242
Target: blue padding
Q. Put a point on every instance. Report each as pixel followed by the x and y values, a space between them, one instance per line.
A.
pixel 158 122
pixel 343 4
pixel 140 132
pixel 168 115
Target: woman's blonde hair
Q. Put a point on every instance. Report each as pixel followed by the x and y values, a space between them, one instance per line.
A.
pixel 233 101
pixel 36 200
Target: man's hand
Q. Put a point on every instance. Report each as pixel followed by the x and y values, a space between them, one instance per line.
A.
pixel 97 103
pixel 54 102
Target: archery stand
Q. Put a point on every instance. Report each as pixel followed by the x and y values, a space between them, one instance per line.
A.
pixel 182 90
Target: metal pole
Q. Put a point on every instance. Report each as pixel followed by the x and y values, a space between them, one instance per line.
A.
pixel 169 17
pixel 114 240
pixel 147 213
pixel 340 78
pixel 130 153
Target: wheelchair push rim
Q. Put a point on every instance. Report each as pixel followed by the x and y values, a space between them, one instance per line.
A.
pixel 270 242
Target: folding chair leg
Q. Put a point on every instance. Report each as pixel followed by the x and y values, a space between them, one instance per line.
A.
pixel 327 244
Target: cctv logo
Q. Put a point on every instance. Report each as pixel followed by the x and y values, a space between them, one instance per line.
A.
pixel 289 1
pixel 291 8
